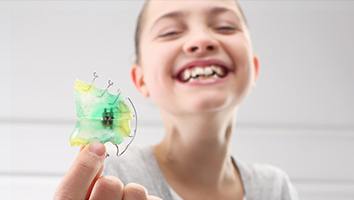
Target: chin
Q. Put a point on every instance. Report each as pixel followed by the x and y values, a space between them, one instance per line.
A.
pixel 210 104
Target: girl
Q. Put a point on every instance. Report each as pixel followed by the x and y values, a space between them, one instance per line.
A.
pixel 195 62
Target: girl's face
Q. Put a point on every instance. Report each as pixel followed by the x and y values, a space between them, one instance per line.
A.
pixel 196 56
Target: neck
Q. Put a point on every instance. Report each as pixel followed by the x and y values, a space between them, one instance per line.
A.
pixel 196 149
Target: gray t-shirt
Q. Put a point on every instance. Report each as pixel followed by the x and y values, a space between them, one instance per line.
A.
pixel 139 165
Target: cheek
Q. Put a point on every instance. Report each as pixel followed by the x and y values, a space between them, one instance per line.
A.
pixel 157 82
pixel 244 81
pixel 159 53
pixel 158 60
pixel 240 52
pixel 242 57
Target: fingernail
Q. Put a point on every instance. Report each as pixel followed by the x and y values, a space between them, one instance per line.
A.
pixel 97 148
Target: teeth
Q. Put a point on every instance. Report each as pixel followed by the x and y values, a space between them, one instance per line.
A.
pixel 198 71
pixel 218 70
pixel 222 72
pixel 204 72
pixel 186 74
pixel 208 71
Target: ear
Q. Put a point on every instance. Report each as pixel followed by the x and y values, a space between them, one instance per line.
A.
pixel 137 76
pixel 256 68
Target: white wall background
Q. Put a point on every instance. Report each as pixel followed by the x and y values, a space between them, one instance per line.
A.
pixel 300 117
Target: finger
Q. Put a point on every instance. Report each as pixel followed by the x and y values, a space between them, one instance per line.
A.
pixel 76 182
pixel 151 197
pixel 134 191
pixel 98 175
pixel 107 188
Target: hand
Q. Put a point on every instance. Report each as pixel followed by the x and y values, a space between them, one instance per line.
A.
pixel 84 180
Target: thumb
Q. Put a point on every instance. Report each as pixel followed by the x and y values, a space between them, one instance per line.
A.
pixel 79 178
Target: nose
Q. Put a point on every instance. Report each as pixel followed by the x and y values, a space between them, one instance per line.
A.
pixel 200 45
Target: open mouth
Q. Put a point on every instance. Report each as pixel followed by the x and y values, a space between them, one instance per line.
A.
pixel 202 71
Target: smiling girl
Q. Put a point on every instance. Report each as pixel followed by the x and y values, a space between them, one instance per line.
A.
pixel 196 63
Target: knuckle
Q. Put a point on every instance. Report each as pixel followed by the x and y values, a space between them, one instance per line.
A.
pixel 87 163
pixel 135 191
pixel 110 184
pixel 85 166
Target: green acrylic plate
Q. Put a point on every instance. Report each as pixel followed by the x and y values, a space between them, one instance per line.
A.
pixel 101 116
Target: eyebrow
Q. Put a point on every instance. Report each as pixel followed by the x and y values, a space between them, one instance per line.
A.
pixel 219 10
pixel 170 15
pixel 179 14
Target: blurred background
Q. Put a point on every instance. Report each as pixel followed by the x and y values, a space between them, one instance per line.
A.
pixel 300 117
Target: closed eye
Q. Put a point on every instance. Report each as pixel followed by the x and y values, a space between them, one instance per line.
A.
pixel 226 29
pixel 169 34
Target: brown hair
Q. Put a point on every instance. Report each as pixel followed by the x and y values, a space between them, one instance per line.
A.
pixel 140 23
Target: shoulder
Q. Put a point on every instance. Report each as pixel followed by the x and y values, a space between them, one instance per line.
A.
pixel 263 172
pixel 263 181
